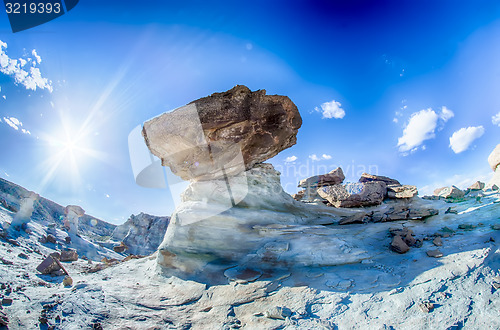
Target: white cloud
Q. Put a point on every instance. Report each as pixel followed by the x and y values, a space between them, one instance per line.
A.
pixel 291 159
pixel 331 110
pixel 496 119
pixel 30 78
pixel 315 158
pixel 463 138
pixel 422 126
pixel 16 124
pixel 446 114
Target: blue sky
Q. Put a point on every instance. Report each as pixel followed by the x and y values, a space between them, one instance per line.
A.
pixel 382 86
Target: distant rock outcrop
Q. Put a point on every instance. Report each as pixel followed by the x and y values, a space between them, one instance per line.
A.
pixel 141 234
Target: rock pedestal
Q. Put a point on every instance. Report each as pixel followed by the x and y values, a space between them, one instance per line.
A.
pixel 72 214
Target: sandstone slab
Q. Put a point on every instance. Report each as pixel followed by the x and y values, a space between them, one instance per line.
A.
pixel 354 194
pixel 333 177
pixel 365 177
pixel 405 191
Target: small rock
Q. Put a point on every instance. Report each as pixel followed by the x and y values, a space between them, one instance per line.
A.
pixel 68 281
pixel 43 320
pixel 398 245
pixel 495 226
pixel 67 239
pixel 51 239
pixel 435 253
pixel 466 227
pixel 22 256
pixel 450 210
pixel 6 262
pixel 69 255
pixel 7 301
pixel 437 241
pixel 496 285
pixel 120 248
pixel 426 307
pixel 242 274
pixel 278 313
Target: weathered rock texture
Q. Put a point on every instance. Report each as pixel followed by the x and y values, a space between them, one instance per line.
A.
pixel 449 192
pixel 365 177
pixel 405 191
pixel 333 177
pixel 223 134
pixel 141 234
pixel 267 227
pixel 494 161
pixel 354 194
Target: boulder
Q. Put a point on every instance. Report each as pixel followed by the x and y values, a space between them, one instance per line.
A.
pixel 333 177
pixel 405 191
pixel 299 195
pixel 354 194
pixel 223 134
pixel 365 177
pixel 51 266
pixel 478 185
pixel 449 192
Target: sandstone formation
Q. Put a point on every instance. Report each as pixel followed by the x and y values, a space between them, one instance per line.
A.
pixel 354 194
pixel 72 214
pixel 478 185
pixel 365 177
pixel 223 134
pixel 234 211
pixel 494 161
pixel 405 191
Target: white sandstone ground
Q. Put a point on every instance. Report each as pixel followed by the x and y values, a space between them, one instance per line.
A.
pixel 383 292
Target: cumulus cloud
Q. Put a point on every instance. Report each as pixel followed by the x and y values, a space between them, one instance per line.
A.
pixel 463 138
pixel 16 124
pixel 496 119
pixel 421 127
pixel 331 110
pixel 291 159
pixel 27 75
pixel 315 158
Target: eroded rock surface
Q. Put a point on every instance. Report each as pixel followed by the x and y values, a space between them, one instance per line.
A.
pixel 224 133
pixel 354 194
pixel 333 177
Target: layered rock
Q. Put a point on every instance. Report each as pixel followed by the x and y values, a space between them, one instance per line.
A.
pixel 223 134
pixel 401 191
pixel 365 177
pixel 354 194
pixel 494 161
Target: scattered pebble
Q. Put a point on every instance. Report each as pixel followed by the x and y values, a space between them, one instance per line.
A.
pixel 435 253
pixel 68 281
pixel 426 307
pixel 466 226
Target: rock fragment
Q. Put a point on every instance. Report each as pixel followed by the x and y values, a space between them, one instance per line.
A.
pixel 398 245
pixel 434 253
pixel 278 313
pixel 333 177
pixel 405 191
pixel 426 307
pixel 68 281
pixel 437 241
pixel 69 255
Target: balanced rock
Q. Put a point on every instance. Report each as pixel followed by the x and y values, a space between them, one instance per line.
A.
pixel 405 191
pixel 223 134
pixel 354 194
pixel 333 177
pixel 365 177
pixel 449 192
